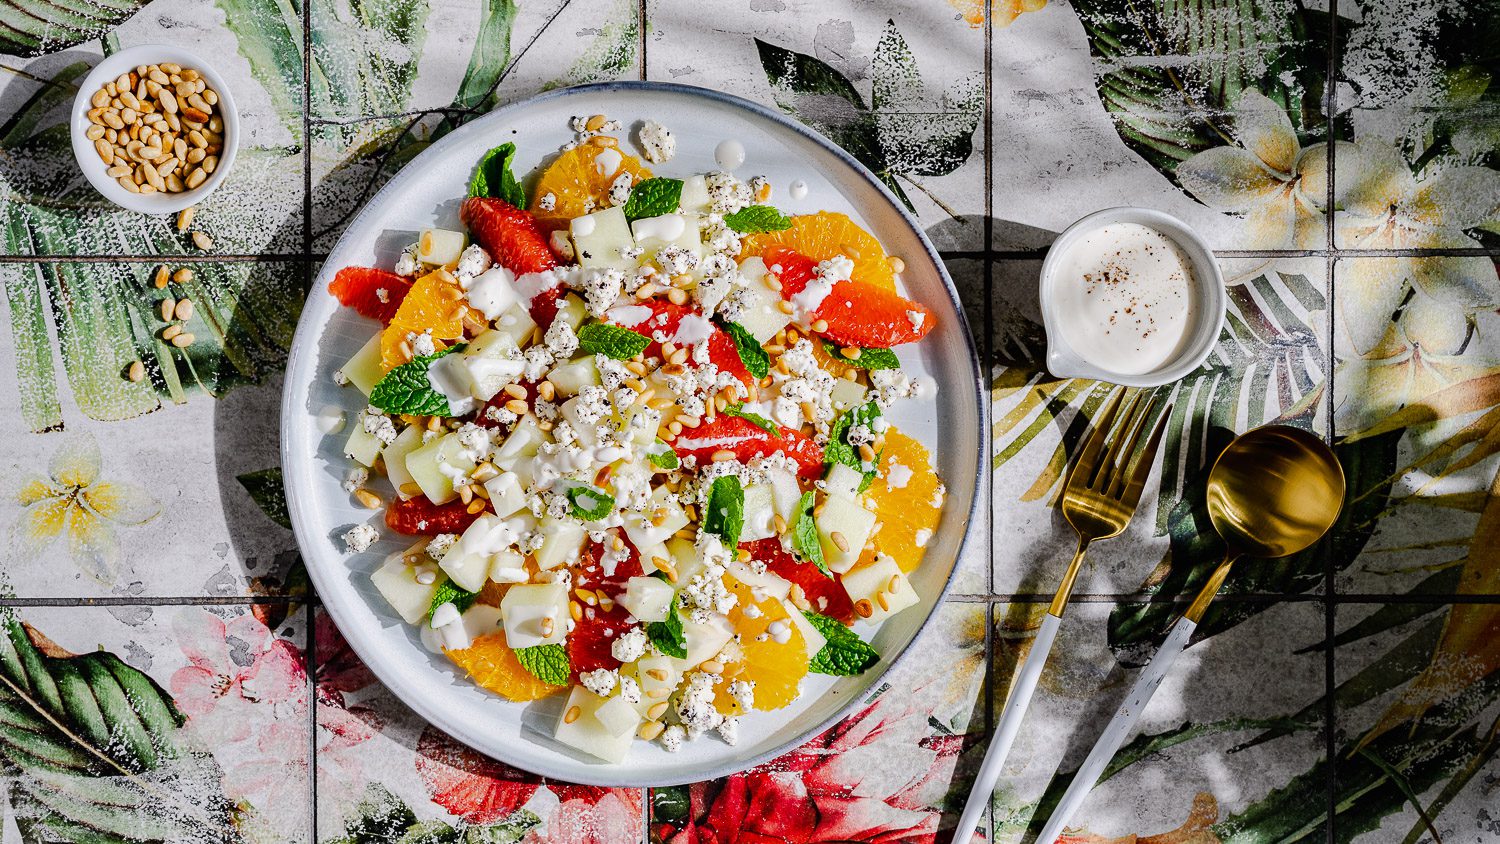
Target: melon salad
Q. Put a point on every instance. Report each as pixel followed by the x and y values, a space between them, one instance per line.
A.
pixel 634 429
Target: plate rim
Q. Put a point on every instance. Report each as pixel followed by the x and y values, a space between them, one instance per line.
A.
pixel 293 415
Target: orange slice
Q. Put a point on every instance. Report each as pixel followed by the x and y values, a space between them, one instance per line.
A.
pixel 823 235
pixel 579 181
pixel 492 664
pixel 907 498
pixel 430 304
pixel 776 667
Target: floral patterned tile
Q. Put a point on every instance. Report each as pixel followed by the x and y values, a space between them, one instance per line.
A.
pixel 136 488
pixel 1269 366
pixel 895 770
pixel 1416 106
pixel 1216 120
pixel 49 209
pixel 385 774
pixel 1417 700
pixel 1230 747
pixel 1414 398
pixel 900 86
pixel 143 723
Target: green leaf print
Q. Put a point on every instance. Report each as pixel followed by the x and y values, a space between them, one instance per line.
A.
pixel 268 490
pixel 94 750
pixel 32 29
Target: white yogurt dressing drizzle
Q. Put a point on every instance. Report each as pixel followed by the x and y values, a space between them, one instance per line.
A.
pixel 729 154
pixel 797 190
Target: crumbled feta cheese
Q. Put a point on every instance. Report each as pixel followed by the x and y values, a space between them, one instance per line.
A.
pixel 548 202
pixel 359 538
pixel 916 318
pixel 340 378
pixel 476 441
pixel 440 545
pixel 472 262
pixel 676 260
pixel 619 189
pixel 378 425
pixel 743 692
pixel 600 289
pixel 560 339
pixel 630 646
pixel 630 690
pixel 760 188
pixel 726 194
pixel 383 295
pixel 422 344
pixel 672 737
pixel 539 359
pixel 729 730
pixel 356 478
pixel 407 264
pixel 656 142
pixel 891 385
pixel 600 681
pixel 695 708
pixel 498 414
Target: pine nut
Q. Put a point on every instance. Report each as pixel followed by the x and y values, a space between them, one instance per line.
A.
pixel 183 275
pixel 839 540
pixel 168 100
pixel 184 310
pixel 174 183
pixel 884 602
pixel 603 141
pixel 171 331
pixel 168 307
pixel 547 390
pixel 94 132
pixel 161 278
pixel 863 608
pixel 785 307
pixel 195 115
pixel 203 241
pixel 515 391
pixel 185 217
pixel 126 183
pixel 129 115
pixel 723 455
pixel 573 714
pixel 548 626
pixel 137 371
pixel 106 152
pixel 196 178
pixel 650 730
pixel 820 326
pixel 517 407
pixel 166 167
pixel 893 584
pixel 195 155
pixel 897 265
pixel 118 171
pixel 100 98
pixel 712 666
pixel 211 97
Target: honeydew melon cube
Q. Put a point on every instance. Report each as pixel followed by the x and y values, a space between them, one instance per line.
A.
pixel 362 447
pixel 516 453
pixel 763 583
pixel 572 376
pixel 397 583
pixel 586 733
pixel 658 676
pixel 883 584
pixel 786 493
pixel 409 440
pixel 689 563
pixel 492 361
pixel 695 199
pixel 507 495
pixel 642 423
pixel 647 598
pixel 815 640
pixel 434 465
pixel 440 247
pixel 364 370
pixel 762 315
pixel 516 323
pixel 843 482
pixel 639 527
pixel 618 717
pixel 561 542
pixel 467 561
pixel 853 523
pixel 653 233
pixel 572 311
pixel 847 394
pixel 509 567
pixel 705 639
pixel 530 609
pixel 599 237
pixel 760 512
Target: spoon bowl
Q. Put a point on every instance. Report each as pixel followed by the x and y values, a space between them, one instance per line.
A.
pixel 1274 491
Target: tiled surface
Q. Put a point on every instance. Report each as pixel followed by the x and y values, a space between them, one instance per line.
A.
pixel 1001 122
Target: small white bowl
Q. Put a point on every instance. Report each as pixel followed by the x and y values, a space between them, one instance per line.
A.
pixel 1064 362
pixel 94 168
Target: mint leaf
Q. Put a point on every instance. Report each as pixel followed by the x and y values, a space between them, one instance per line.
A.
pixel 406 389
pixel 805 534
pixel 601 338
pixel 667 635
pixel 752 354
pixel 845 654
pixel 590 503
pixel 493 176
pixel 653 198
pixel 839 450
pixel 761 422
pixel 449 592
pixel 758 218
pixel 548 663
pixel 868 358
pixel 724 514
pixel 662 456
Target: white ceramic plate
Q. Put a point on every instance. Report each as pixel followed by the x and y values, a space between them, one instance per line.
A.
pixel 426 193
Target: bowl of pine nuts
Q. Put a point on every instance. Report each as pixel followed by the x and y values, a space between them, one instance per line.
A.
pixel 154 128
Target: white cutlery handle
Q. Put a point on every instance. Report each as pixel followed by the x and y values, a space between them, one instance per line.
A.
pixel 1120 728
pixel 1005 732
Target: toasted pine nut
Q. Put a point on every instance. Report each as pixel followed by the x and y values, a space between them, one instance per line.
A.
pixel 183 340
pixel 184 309
pixel 712 666
pixel 183 275
pixel 603 141
pixel 185 217
pixel 517 407
pixel 368 499
pixel 196 178
pixel 723 455
pixel 839 540
pixel 863 608
pixel 168 100
pixel 595 123
pixel 106 152
pixel 203 241
pixel 94 132
pixel 785 307
pixel 820 326
pixel 573 714
pixel 117 171
pixel 127 183
pixel 547 390
pixel 515 391
pixel 137 371
pixel 884 602
pixel 168 307
pixel 650 730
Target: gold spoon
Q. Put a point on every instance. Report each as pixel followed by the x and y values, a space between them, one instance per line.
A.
pixel 1273 492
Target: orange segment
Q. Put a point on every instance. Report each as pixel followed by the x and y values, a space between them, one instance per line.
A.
pixel 492 664
pixel 776 667
pixel 907 497
pixel 579 180
pixel 430 304
pixel 823 235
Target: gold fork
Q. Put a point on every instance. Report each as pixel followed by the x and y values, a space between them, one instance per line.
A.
pixel 1098 500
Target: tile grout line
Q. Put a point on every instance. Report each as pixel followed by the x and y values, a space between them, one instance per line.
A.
pixel 307 256
pixel 1330 602
pixel 987 278
pixel 312 718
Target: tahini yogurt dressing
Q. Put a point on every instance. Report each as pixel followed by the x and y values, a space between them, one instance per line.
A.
pixel 1126 298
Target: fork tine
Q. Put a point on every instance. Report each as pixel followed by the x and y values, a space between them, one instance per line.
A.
pixel 1109 467
pixel 1132 492
pixel 1085 467
pixel 1131 431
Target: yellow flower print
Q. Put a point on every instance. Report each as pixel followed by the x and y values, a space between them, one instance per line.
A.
pixel 72 499
pixel 1278 187
pixel 1002 12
